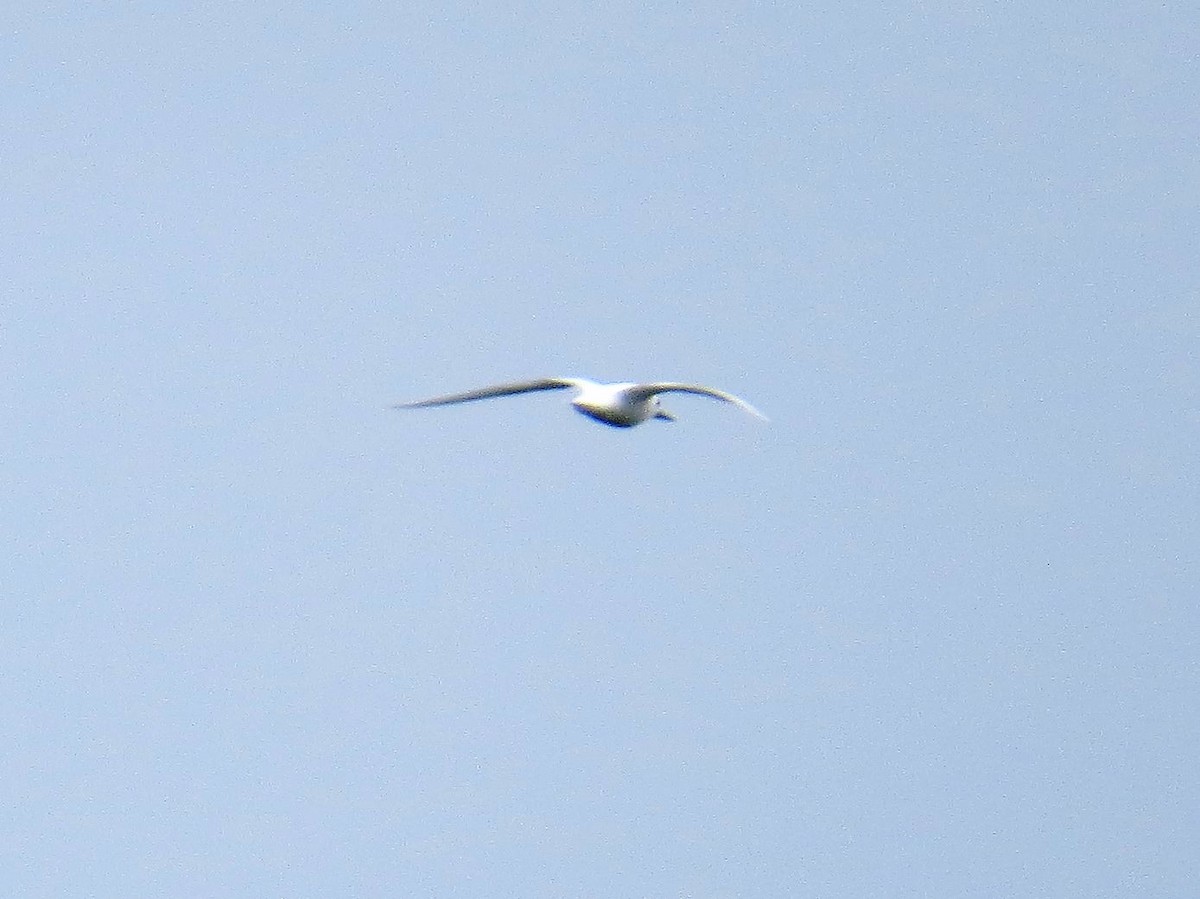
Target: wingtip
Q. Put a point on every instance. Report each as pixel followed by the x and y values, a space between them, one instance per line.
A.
pixel 753 410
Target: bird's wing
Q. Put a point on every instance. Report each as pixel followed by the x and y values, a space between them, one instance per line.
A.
pixel 645 391
pixel 484 393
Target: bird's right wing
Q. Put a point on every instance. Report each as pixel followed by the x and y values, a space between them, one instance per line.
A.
pixel 484 393
pixel 644 391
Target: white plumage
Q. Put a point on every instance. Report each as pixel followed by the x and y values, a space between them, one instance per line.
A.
pixel 619 405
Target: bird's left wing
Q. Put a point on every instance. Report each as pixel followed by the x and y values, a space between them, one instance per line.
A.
pixel 484 393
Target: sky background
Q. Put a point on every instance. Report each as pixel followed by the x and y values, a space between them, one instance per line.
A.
pixel 933 631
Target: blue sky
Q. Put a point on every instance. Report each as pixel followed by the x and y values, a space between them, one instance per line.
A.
pixel 932 631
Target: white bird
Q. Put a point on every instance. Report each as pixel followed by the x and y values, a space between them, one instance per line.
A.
pixel 619 405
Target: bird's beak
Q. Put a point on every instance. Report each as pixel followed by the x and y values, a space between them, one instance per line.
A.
pixel 664 415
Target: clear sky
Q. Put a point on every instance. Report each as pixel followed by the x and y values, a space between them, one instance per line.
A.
pixel 933 631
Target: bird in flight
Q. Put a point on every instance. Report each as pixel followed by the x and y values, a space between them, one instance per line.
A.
pixel 619 405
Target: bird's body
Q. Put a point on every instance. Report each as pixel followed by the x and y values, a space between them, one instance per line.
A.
pixel 620 405
pixel 616 405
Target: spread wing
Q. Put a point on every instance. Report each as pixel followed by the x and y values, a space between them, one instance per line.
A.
pixel 645 391
pixel 484 393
